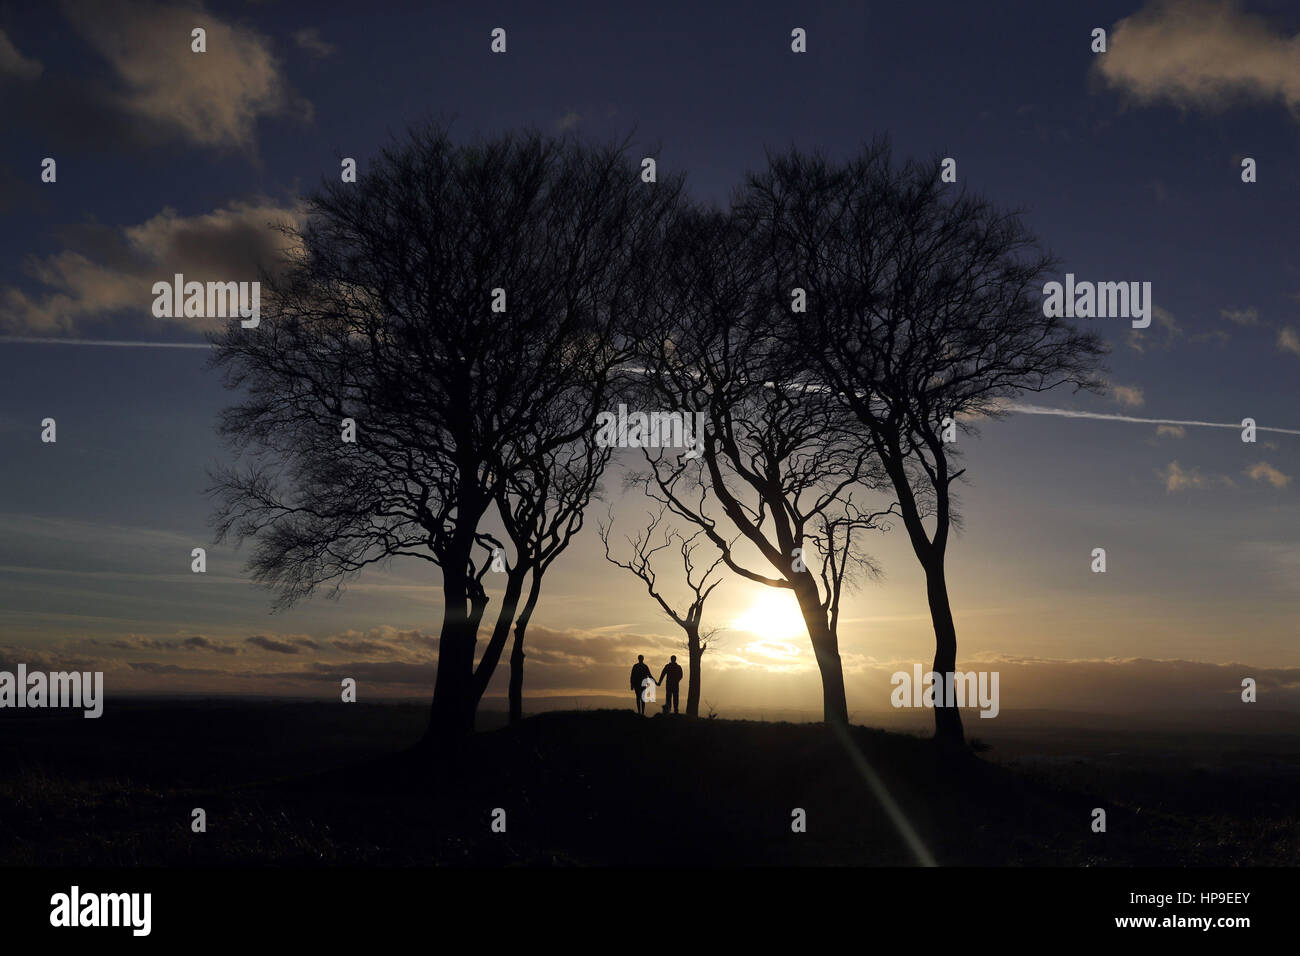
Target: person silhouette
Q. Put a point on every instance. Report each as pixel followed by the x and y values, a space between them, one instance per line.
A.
pixel 640 672
pixel 673 671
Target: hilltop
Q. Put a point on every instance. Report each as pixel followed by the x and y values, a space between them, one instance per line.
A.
pixel 305 784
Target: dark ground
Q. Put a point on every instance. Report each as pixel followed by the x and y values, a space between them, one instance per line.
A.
pixel 334 784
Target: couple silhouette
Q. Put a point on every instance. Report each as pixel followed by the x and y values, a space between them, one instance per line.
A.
pixel 643 684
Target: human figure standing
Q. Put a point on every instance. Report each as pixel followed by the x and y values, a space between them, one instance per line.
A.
pixel 673 671
pixel 640 671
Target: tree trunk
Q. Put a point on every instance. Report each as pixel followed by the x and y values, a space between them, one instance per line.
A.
pixel 947 720
pixel 517 650
pixel 505 614
pixel 694 655
pixel 452 712
pixel 826 649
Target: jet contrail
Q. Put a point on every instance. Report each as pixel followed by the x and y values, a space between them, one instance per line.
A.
pixel 31 340
pixel 1068 413
pixel 1006 406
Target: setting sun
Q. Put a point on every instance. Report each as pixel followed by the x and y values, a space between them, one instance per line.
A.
pixel 773 615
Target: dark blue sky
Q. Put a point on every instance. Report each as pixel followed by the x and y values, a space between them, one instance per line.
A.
pixel 1126 163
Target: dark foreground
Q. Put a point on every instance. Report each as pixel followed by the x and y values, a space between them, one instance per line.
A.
pixel 331 784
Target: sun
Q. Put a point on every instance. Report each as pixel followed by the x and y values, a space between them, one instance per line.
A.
pixel 773 616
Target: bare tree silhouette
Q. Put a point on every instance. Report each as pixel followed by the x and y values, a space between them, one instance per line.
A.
pixel 385 316
pixel 542 508
pixel 780 465
pixel 924 304
pixel 700 584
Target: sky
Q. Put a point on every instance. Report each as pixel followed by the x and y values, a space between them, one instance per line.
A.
pixel 1127 164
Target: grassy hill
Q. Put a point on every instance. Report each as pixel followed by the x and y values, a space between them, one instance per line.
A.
pixel 304 784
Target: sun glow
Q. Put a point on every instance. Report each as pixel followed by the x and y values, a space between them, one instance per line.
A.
pixel 773 616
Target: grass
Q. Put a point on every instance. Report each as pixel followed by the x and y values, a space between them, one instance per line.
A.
pixel 334 784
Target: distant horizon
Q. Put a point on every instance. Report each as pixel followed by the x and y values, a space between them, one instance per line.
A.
pixel 723 709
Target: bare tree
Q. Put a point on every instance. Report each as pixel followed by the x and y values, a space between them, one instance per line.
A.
pixel 779 470
pixel 447 303
pixel 700 584
pixel 542 508
pixel 924 312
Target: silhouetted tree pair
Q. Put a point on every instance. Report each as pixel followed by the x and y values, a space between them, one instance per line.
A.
pixel 462 305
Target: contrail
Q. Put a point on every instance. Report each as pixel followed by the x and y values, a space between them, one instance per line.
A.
pixel 1103 416
pixel 1006 406
pixel 31 340
pixel 1069 413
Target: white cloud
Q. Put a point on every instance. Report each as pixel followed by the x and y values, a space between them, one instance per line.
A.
pixel 211 99
pixel 117 272
pixel 1288 340
pixel 1163 334
pixel 1201 53
pixel 1263 471
pixel 1249 316
pixel 1128 395
pixel 1178 478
